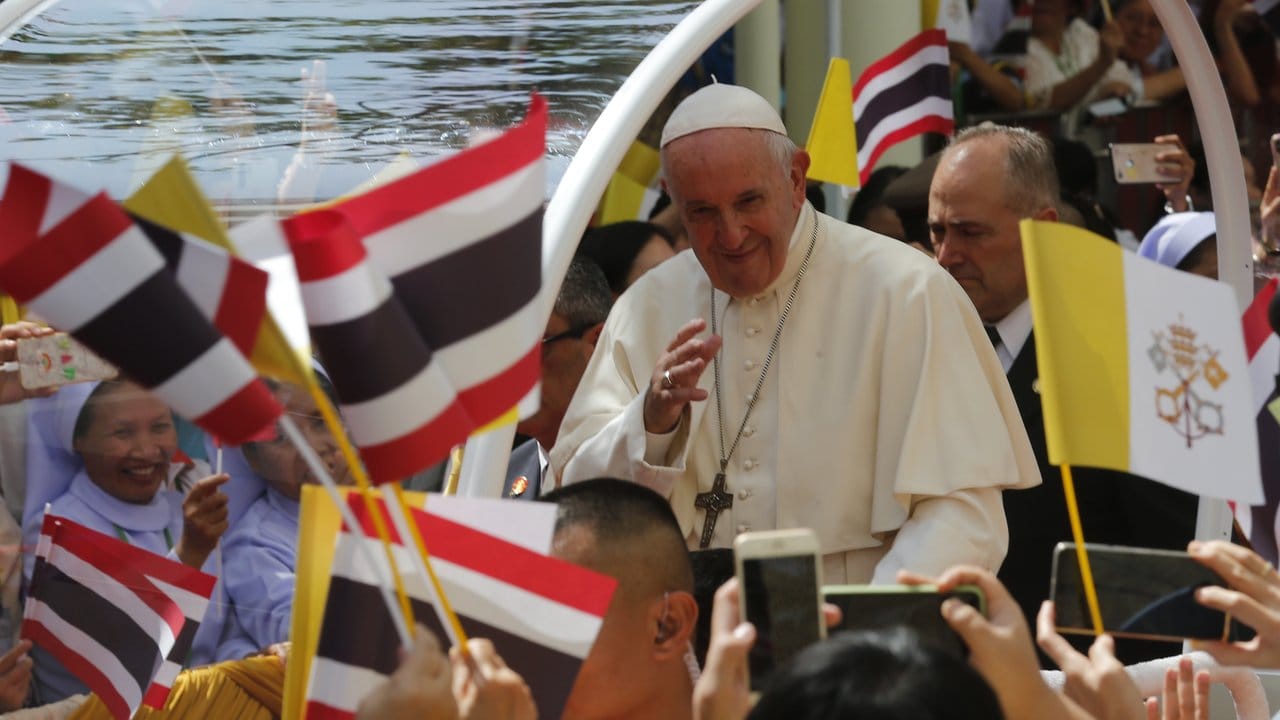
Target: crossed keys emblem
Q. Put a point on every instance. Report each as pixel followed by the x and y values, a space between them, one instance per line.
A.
pixel 1196 372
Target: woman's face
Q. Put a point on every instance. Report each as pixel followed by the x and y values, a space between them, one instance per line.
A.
pixel 128 442
pixel 1142 30
pixel 280 464
pixel 1048 17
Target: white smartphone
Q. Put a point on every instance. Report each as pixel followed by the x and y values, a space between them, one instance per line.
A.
pixel 1135 163
pixel 58 359
pixel 780 580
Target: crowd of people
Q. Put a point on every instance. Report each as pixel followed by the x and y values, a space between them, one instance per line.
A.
pixel 763 366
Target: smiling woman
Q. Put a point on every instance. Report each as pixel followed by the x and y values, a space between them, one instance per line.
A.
pixel 126 440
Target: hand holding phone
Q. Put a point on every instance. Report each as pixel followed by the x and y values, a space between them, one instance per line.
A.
pixel 872 607
pixel 1136 163
pixel 779 573
pixel 1254 591
pixel 1000 645
pixel 1142 593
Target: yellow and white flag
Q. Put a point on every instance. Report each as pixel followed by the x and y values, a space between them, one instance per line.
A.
pixel 1142 367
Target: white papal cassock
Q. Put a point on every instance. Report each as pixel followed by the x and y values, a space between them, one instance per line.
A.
pixel 886 424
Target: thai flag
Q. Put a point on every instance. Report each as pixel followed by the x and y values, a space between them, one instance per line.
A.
pixel 903 94
pixel 230 292
pixel 542 614
pixel 84 266
pixel 402 411
pixel 119 617
pixel 437 331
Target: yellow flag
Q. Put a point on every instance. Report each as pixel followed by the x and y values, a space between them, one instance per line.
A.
pixel 173 199
pixel 632 186
pixel 833 150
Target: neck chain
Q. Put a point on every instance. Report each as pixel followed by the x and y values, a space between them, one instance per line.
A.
pixel 768 360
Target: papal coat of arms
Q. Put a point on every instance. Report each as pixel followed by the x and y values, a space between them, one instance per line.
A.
pixel 1186 404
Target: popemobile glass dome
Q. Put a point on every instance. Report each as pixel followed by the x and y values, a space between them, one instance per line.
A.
pixel 279 104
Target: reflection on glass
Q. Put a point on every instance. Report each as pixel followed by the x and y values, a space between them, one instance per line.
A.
pixel 279 104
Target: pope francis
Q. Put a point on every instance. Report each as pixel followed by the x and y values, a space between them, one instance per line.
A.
pixel 846 383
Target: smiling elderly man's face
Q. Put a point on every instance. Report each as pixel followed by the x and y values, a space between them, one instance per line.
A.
pixel 739 199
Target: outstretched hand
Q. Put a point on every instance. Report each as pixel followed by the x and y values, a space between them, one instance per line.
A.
pixel 1000 646
pixel 420 688
pixel 1252 596
pixel 1098 683
pixel 204 519
pixel 674 383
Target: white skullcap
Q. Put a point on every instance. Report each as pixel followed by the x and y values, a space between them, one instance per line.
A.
pixel 1175 236
pixel 721 106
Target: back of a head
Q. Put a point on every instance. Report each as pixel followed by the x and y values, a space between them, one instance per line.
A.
pixel 871 193
pixel 584 298
pixel 614 248
pixel 636 537
pixel 1031 178
pixel 889 674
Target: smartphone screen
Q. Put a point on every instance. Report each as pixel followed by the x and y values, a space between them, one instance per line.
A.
pixel 869 607
pixel 781 599
pixel 1142 593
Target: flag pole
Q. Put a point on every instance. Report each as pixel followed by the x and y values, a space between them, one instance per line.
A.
pixel 398 510
pixel 449 619
pixel 399 616
pixel 1082 557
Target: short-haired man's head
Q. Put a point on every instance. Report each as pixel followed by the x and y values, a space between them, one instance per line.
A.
pixel 1031 179
pixel 634 535
pixel 889 674
pixel 584 298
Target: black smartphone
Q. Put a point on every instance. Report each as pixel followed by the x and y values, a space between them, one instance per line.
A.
pixel 1142 593
pixel 872 607
pixel 779 573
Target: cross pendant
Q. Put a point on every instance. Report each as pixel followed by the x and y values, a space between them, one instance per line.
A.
pixel 712 501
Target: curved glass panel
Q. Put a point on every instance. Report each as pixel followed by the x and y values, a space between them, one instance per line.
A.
pixel 279 104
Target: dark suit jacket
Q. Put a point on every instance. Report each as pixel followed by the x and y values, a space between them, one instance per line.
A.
pixel 1115 508
pixel 524 463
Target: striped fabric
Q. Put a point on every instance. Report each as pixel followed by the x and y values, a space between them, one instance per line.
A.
pixel 903 94
pixel 541 614
pixel 398 404
pixel 459 246
pixel 230 292
pixel 83 265
pixel 119 617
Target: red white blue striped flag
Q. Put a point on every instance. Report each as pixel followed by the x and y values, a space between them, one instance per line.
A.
pixel 542 614
pixel 119 617
pixel 903 94
pixel 84 266
pixel 437 331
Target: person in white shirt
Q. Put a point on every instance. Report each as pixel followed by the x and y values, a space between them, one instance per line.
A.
pixel 846 384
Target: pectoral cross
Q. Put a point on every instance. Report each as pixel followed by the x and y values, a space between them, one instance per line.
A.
pixel 712 501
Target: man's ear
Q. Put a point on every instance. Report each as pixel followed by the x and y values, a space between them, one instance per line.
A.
pixel 799 171
pixel 1049 214
pixel 592 335
pixel 673 632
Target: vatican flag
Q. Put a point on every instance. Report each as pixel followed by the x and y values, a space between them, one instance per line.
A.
pixel 1142 367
